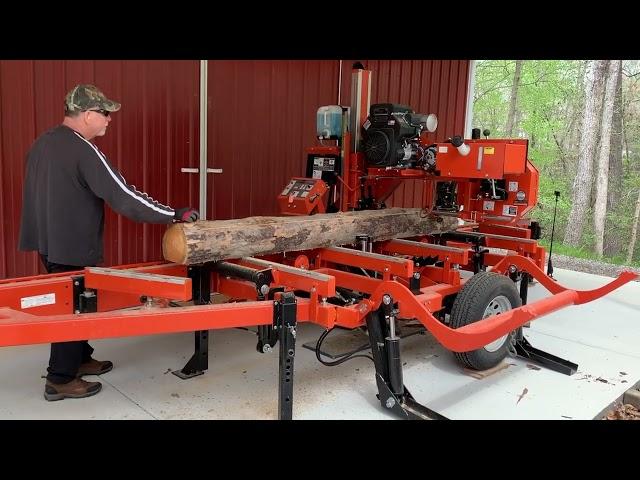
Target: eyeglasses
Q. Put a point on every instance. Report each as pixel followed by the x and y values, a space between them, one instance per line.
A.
pixel 103 112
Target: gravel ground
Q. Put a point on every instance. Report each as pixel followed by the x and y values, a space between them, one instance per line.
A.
pixel 589 266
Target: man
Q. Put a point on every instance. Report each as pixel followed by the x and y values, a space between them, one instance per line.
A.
pixel 67 181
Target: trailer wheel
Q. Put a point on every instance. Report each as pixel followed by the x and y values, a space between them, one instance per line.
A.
pixel 484 295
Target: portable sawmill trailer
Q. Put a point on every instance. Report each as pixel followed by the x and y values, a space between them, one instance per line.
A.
pixel 338 256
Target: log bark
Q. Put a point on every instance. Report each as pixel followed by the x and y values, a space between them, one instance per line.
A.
pixel 207 241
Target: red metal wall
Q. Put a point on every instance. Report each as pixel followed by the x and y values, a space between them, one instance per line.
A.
pixel 262 115
pixel 427 86
pixel 153 135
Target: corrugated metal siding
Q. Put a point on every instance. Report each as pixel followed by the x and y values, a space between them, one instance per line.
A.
pixel 261 117
pixel 262 114
pixel 427 86
pixel 150 139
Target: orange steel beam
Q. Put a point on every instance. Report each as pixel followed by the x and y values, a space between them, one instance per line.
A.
pixel 352 281
pixel 140 283
pixel 483 332
pixel 108 300
pixel 369 261
pixel 409 247
pixel 50 295
pixel 235 289
pixel 510 243
pixel 20 328
pixel 295 278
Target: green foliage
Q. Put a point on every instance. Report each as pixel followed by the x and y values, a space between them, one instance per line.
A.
pixel 549 115
pixel 582 252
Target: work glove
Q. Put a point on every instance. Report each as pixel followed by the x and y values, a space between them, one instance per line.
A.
pixel 186 214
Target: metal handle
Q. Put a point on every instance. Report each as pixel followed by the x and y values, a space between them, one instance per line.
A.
pixel 197 170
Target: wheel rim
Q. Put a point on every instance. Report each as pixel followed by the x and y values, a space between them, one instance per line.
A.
pixel 498 305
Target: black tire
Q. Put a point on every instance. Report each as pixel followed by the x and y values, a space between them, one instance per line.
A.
pixel 472 304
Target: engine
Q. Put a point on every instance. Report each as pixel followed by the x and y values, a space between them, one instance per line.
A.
pixel 391 137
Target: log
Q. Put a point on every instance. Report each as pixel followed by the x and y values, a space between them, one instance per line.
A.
pixel 207 241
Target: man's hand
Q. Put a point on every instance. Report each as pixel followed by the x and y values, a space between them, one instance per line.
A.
pixel 186 214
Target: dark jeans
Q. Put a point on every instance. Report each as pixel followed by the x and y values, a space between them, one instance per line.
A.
pixel 66 357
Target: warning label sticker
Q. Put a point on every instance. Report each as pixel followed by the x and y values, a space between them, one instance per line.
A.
pixel 38 300
pixel 510 210
pixel 488 206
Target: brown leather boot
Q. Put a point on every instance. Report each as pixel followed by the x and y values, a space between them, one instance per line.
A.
pixel 76 388
pixel 94 367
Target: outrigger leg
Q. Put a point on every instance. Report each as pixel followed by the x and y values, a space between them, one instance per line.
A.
pixel 525 350
pixel 285 323
pixel 199 362
pixel 385 346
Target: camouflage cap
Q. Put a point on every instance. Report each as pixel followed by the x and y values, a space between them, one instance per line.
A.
pixel 89 97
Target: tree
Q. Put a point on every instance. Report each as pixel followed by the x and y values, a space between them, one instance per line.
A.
pixel 634 230
pixel 612 240
pixel 513 101
pixel 602 169
pixel 594 84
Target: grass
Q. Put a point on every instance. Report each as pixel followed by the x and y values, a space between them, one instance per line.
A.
pixel 586 254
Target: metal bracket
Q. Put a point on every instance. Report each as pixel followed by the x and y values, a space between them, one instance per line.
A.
pixel 84 301
pixel 525 350
pixel 201 284
pixel 268 334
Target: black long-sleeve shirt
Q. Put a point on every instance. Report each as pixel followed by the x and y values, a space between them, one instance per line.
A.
pixel 67 181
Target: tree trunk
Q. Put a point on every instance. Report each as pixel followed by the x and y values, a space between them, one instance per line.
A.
pixel 602 171
pixel 612 241
pixel 513 101
pixel 574 129
pixel 206 241
pixel 594 80
pixel 634 231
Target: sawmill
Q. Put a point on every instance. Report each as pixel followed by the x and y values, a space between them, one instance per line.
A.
pixel 457 267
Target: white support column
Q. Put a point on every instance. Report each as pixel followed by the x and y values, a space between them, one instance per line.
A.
pixel 468 115
pixel 203 139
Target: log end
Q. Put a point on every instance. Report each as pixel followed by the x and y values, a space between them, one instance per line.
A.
pixel 174 244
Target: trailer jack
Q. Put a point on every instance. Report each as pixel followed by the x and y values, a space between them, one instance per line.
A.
pixel 385 347
pixel 525 350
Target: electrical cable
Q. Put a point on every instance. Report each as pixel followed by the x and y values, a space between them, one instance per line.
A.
pixel 343 357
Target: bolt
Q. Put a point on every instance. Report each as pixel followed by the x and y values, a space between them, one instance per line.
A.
pixel 76 283
pixel 266 348
pixel 390 402
pixel 386 299
pixel 416 275
pixel 264 289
